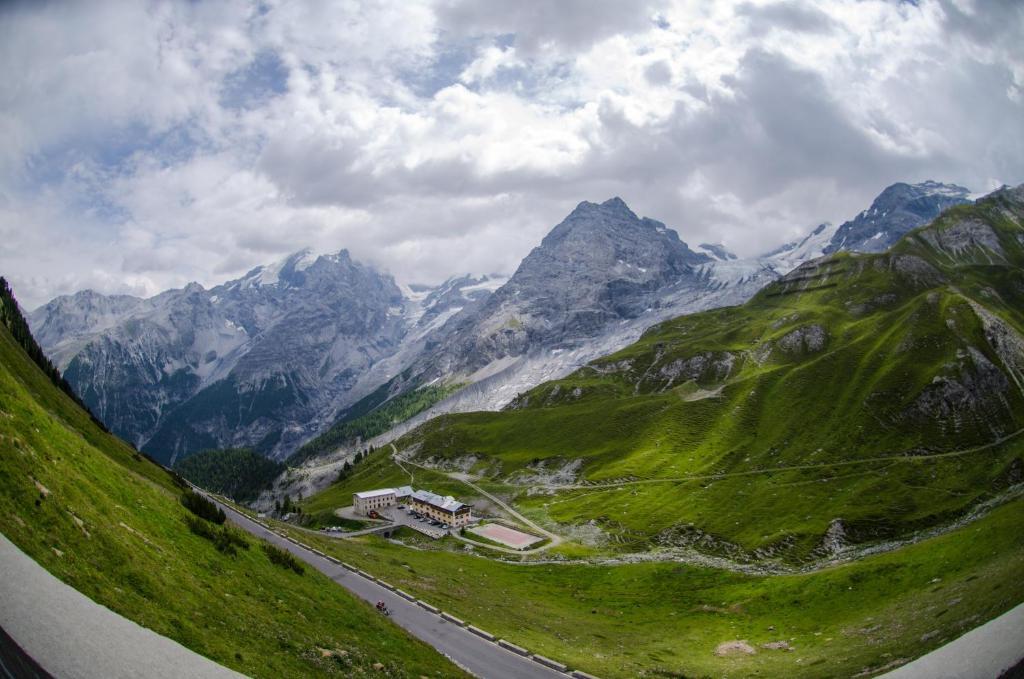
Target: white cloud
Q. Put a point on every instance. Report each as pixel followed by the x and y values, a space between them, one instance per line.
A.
pixel 143 146
pixel 487 64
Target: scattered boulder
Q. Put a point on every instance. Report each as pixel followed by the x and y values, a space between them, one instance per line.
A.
pixel 43 490
pixel 777 646
pixel 79 523
pixel 735 647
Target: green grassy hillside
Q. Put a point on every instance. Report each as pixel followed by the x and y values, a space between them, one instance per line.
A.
pixel 108 522
pixel 859 398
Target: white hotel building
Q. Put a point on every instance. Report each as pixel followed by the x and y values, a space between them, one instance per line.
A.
pixel 445 509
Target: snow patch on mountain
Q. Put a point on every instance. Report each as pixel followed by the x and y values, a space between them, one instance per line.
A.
pixel 791 255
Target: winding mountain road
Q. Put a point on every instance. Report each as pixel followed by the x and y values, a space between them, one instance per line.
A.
pixel 471 652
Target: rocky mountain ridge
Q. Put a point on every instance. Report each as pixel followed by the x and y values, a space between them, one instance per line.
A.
pixel 252 352
pixel 507 347
pixel 270 359
pixel 896 211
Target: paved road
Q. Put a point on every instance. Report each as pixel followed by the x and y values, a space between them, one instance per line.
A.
pixel 985 652
pixel 70 635
pixel 471 652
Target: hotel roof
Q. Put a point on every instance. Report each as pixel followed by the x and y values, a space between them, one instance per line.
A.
pixel 447 503
pixel 367 494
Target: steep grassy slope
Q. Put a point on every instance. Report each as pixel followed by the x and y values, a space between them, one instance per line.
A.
pixel 100 517
pixel 861 397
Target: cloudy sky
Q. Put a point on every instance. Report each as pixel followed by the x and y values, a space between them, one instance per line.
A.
pixel 145 145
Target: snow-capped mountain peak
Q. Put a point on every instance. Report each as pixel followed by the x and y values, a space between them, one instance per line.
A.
pixel 896 211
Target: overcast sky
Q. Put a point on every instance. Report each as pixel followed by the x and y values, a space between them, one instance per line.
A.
pixel 145 145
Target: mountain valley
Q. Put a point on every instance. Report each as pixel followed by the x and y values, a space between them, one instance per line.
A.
pixel 711 460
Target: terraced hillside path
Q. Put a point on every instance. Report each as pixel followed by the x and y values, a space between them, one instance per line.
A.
pixel 600 485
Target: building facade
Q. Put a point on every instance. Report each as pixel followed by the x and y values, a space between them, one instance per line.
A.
pixel 447 510
pixel 372 500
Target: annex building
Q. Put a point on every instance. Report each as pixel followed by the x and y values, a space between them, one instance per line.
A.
pixel 370 500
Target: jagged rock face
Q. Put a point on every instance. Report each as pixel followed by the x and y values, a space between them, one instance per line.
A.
pixel 704 368
pixel 602 264
pixel 458 294
pixel 973 392
pixel 60 324
pixel 245 363
pixel 969 240
pixel 806 340
pixel 894 213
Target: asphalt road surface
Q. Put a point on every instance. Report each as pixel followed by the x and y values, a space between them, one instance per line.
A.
pixel 985 652
pixel 70 635
pixel 472 653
